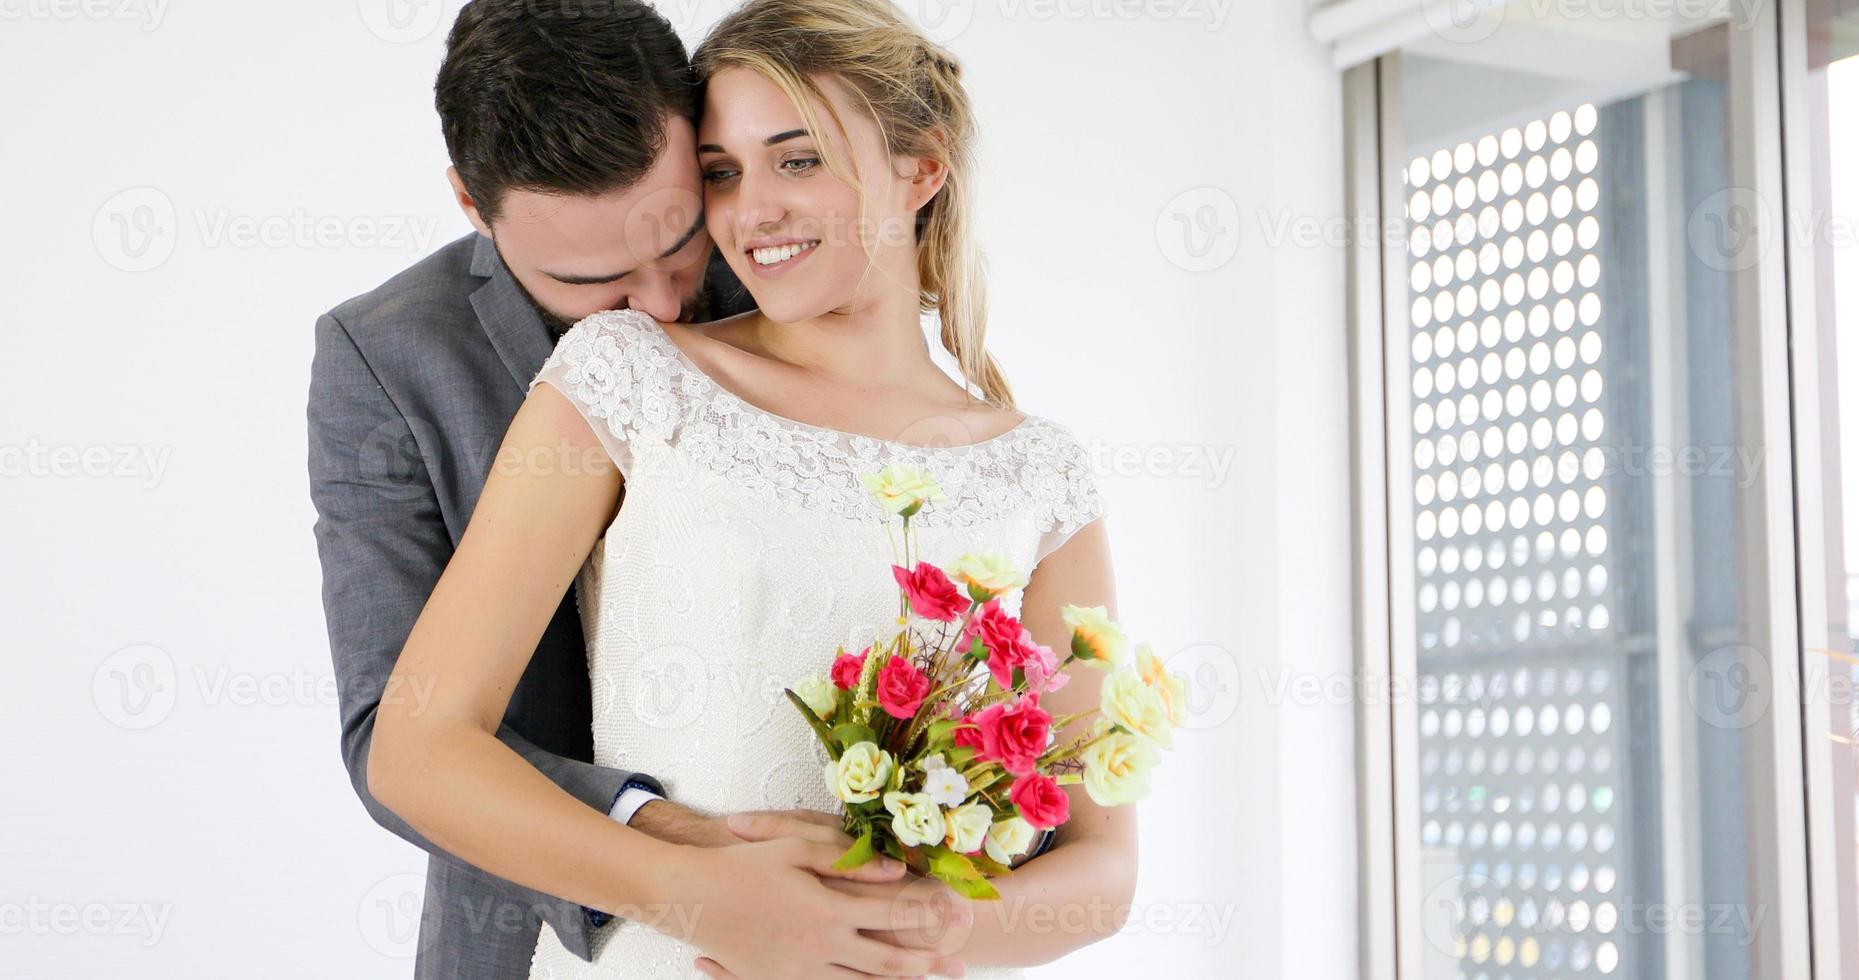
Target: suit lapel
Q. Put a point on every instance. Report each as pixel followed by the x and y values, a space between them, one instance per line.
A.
pixel 521 339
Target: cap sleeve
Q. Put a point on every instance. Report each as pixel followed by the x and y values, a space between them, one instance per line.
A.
pixel 606 366
pixel 1068 494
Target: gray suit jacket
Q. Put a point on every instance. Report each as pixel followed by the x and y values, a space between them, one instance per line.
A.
pixel 412 387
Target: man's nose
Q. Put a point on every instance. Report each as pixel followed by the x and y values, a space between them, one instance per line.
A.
pixel 657 297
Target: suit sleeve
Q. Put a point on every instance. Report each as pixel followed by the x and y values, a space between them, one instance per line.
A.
pixel 383 543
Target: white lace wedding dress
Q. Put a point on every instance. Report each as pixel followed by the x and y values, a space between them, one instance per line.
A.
pixel 745 551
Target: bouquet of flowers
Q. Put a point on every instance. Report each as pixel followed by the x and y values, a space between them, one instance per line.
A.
pixel 940 750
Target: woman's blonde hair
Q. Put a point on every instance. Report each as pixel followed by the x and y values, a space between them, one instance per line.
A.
pixel 911 87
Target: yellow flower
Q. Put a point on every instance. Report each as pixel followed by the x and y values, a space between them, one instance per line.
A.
pixel 1171 688
pixel 860 773
pixel 1116 768
pixel 1009 838
pixel 968 826
pixel 915 818
pixel 1096 638
pixel 819 694
pixel 902 489
pixel 1127 701
pixel 989 571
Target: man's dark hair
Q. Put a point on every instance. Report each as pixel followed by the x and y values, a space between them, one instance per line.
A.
pixel 565 96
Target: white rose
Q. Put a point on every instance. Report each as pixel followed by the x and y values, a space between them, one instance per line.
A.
pixel 860 773
pixel 915 818
pixel 1116 768
pixel 1009 838
pixel 1129 702
pixel 819 693
pixel 968 826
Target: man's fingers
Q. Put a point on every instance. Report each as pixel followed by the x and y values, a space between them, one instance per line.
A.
pixel 814 816
pixel 882 959
pixel 820 857
pixel 769 825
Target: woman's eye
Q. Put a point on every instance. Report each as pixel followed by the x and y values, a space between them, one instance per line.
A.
pixel 718 175
pixel 800 164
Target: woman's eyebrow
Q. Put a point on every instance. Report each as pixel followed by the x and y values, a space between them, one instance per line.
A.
pixel 770 141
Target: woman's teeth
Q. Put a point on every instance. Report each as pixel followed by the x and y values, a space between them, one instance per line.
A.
pixel 779 253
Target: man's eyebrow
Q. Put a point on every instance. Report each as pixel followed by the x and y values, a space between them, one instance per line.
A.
pixel 770 141
pixel 683 240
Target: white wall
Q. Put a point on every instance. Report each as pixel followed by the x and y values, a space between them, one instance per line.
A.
pixel 188 184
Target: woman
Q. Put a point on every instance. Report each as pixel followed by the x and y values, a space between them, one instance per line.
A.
pixel 835 149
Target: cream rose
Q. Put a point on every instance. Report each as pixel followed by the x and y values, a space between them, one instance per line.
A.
pixel 968 826
pixel 989 571
pixel 1009 838
pixel 1116 768
pixel 916 820
pixel 819 693
pixel 902 488
pixel 1096 638
pixel 860 773
pixel 1171 688
pixel 1127 701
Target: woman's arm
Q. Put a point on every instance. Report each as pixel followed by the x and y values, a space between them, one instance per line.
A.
pixel 1079 891
pixel 439 765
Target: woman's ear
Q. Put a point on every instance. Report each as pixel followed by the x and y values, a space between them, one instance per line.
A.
pixel 928 179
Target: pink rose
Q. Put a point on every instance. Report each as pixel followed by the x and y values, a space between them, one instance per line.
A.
pixel 1042 668
pixel 901 687
pixel 1042 803
pixel 1000 635
pixel 847 667
pixel 969 736
pixel 1014 735
pixel 930 592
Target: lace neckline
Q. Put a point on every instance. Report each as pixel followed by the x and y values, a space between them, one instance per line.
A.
pixel 691 368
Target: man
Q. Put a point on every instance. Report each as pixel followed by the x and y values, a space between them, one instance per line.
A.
pixel 573 152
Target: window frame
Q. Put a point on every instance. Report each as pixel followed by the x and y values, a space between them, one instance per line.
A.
pixel 1785 608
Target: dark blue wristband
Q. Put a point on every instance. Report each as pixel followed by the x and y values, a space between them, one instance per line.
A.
pixel 596 917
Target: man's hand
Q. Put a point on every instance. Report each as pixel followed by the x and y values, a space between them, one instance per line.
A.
pixel 677 824
pixel 777 909
pixel 926 916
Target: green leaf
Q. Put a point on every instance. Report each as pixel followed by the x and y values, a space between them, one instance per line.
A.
pixel 944 729
pixel 987 865
pixel 960 756
pixel 850 734
pixel 814 722
pixel 860 852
